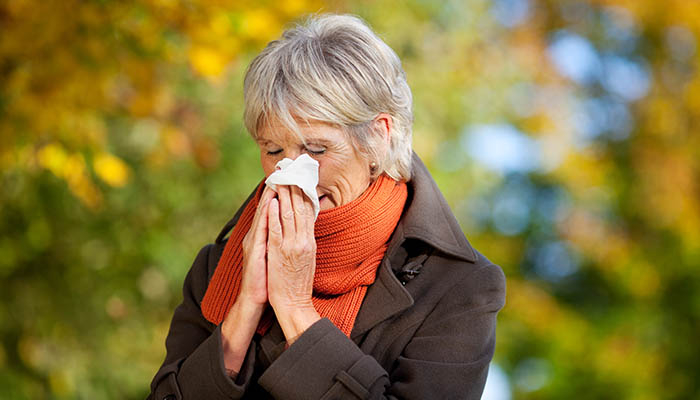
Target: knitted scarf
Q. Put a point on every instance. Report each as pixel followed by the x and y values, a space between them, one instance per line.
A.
pixel 350 243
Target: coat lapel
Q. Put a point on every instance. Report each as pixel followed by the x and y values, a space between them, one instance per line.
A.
pixel 385 297
pixel 427 218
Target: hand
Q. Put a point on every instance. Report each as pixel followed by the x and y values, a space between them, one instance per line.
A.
pixel 254 246
pixel 241 321
pixel 291 260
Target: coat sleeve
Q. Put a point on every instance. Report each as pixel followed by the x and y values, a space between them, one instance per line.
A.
pixel 194 365
pixel 447 357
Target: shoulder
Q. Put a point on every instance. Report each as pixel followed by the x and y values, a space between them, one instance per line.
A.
pixel 450 280
pixel 477 284
pixel 209 255
pixel 203 268
pixel 200 273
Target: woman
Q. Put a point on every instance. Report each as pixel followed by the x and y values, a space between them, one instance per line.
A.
pixel 381 296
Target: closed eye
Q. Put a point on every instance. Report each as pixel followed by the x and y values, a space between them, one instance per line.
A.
pixel 316 152
pixel 272 153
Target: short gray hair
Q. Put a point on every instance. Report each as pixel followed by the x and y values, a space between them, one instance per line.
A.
pixel 334 69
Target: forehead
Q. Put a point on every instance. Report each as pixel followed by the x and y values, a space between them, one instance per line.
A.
pixel 308 132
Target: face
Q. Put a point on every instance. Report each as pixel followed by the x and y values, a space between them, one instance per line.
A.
pixel 343 173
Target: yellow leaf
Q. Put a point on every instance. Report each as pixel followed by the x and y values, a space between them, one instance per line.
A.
pixel 293 7
pixel 112 170
pixel 75 174
pixel 53 158
pixel 260 24
pixel 207 61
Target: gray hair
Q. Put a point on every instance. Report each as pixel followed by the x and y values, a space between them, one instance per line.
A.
pixel 334 69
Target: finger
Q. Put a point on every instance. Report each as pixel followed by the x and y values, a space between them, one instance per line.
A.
pixel 265 197
pixel 301 214
pixel 286 211
pixel 259 224
pixel 310 214
pixel 274 231
pixel 267 194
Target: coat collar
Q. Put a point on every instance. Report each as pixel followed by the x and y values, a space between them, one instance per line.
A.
pixel 428 218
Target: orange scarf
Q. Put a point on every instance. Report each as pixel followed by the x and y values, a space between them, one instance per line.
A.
pixel 350 243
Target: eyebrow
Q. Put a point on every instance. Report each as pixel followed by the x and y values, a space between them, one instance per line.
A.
pixel 312 140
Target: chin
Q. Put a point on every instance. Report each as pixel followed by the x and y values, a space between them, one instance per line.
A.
pixel 325 203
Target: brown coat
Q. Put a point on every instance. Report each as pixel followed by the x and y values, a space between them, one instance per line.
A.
pixel 426 328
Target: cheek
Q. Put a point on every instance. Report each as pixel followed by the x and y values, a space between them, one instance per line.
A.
pixel 268 165
pixel 325 174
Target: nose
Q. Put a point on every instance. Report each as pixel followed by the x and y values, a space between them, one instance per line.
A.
pixel 292 153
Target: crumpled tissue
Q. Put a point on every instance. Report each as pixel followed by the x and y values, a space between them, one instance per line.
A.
pixel 302 172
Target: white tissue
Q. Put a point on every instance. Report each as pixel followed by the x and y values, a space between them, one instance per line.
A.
pixel 302 172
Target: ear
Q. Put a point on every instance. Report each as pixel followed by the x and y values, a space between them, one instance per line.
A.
pixel 384 125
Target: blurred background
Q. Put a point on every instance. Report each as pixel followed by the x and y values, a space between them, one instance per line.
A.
pixel 561 133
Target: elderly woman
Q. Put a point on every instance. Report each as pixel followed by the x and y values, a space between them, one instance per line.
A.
pixel 381 295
